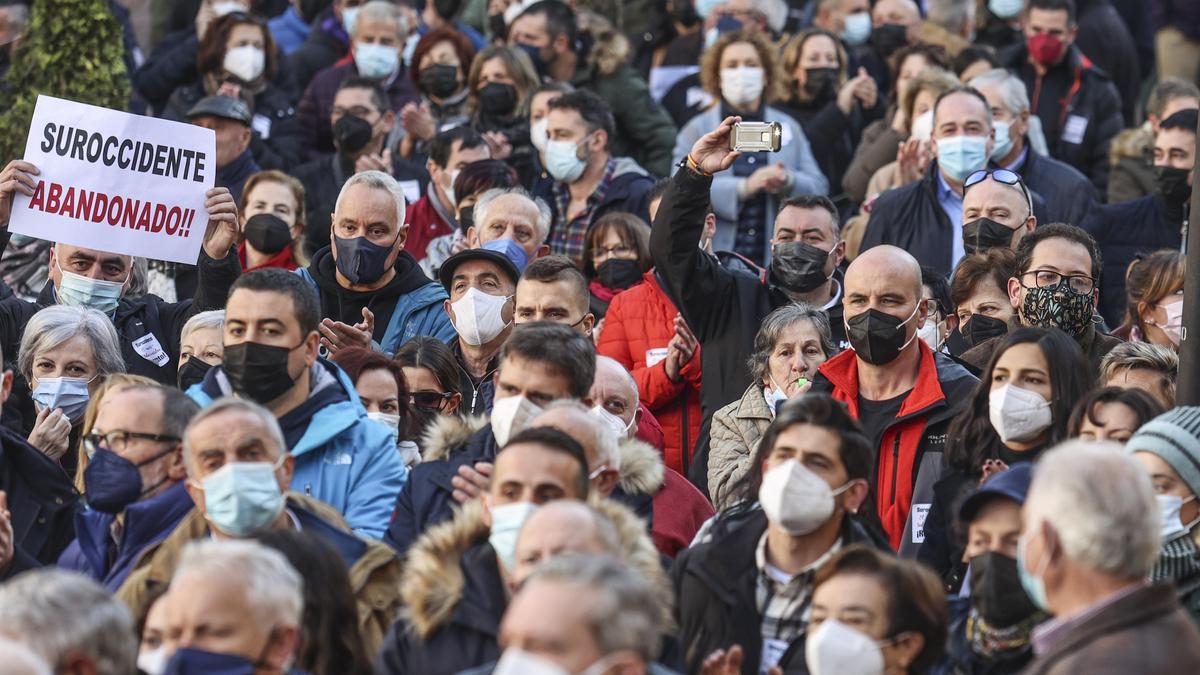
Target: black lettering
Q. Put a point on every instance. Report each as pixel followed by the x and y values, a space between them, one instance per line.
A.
pixel 145 157
pixel 160 156
pixel 48 136
pixel 173 162
pixel 94 146
pixel 77 149
pixel 122 160
pixel 63 144
pixel 110 155
pixel 199 175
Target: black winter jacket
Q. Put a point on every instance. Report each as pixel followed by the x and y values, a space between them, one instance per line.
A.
pixel 273 112
pixel 172 64
pixel 1068 194
pixel 326 44
pixel 42 501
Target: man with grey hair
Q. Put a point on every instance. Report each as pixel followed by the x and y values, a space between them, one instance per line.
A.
pixel 70 621
pixel 238 476
pixel 1067 194
pixel 371 291
pixel 235 603
pixel 513 219
pixel 1090 536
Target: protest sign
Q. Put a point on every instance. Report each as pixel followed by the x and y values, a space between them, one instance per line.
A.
pixel 116 182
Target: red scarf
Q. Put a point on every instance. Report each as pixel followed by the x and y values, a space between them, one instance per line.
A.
pixel 282 259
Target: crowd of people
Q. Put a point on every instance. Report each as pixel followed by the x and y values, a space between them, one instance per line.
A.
pixel 497 357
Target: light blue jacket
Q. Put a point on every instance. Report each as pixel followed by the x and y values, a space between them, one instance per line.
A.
pixel 795 154
pixel 344 458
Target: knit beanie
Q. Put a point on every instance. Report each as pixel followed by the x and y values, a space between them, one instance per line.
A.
pixel 1174 436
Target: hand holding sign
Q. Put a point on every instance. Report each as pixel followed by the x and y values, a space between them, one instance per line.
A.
pixel 222 223
pixel 16 177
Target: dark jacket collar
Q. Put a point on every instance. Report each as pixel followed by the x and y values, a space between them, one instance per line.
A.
pixel 146 522
pixel 483 599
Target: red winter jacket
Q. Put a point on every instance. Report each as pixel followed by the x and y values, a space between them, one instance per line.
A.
pixel 424 225
pixel 638 326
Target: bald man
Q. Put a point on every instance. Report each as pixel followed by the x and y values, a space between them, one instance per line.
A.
pixel 903 393
pixel 562 527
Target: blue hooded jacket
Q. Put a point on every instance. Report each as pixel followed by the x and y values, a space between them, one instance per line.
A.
pixel 146 523
pixel 343 458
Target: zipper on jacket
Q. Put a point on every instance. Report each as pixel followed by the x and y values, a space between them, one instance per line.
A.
pixel 895 465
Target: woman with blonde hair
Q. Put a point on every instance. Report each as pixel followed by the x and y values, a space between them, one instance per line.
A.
pixel 1154 300
pixel 115 382
pixel 501 80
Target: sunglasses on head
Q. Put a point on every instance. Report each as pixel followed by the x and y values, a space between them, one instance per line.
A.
pixel 1000 176
pixel 429 400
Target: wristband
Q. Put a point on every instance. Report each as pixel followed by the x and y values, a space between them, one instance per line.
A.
pixel 695 166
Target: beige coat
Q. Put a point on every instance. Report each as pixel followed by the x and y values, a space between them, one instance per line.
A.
pixel 736 430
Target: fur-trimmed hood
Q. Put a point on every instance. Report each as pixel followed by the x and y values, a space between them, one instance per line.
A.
pixel 610 49
pixel 447 433
pixel 642 469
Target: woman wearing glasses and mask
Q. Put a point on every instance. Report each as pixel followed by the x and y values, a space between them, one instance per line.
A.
pixel 432 376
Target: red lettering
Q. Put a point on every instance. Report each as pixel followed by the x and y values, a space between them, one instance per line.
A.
pixel 160 216
pixel 99 208
pixel 173 218
pixel 144 218
pixel 85 205
pixel 53 197
pixel 38 200
pixel 114 210
pixel 129 218
pixel 68 204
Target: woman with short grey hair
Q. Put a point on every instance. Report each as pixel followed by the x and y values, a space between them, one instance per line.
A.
pixel 66 353
pixel 792 342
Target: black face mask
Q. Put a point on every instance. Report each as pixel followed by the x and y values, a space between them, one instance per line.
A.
pixel 820 83
pixel 496 23
pixel 996 591
pixel 351 134
pixel 360 260
pixel 268 233
pixel 981 328
pixel 983 233
pixel 798 267
pixel 498 99
pixel 619 274
pixel 535 55
pixel 466 217
pixel 684 13
pixel 877 337
pixel 192 372
pixel 258 372
pixel 888 38
pixel 439 79
pixel 1172 184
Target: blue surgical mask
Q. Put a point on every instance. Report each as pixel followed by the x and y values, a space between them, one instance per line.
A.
pixel 960 156
pixel 1004 142
pixel 77 290
pixel 509 249
pixel 858 28
pixel 187 661
pixel 349 14
pixel 507 520
pixel 375 61
pixel 1033 584
pixel 1006 9
pixel 705 7
pixel 69 394
pixel 562 160
pixel 242 498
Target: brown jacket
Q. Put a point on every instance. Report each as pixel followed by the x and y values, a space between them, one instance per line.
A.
pixel 736 430
pixel 375 576
pixel 1093 343
pixel 1146 632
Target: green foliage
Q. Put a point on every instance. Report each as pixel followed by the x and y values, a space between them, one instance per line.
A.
pixel 74 50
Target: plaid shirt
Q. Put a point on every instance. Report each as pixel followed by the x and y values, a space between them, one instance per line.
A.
pixel 785 607
pixel 567 236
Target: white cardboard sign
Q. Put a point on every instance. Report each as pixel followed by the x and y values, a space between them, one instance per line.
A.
pixel 116 182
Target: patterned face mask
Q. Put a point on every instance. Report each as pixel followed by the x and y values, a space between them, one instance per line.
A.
pixel 1058 307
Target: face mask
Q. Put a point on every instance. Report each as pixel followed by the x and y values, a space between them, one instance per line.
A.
pixel 1174 324
pixel 193 661
pixel 498 98
pixel 741 86
pixel 478 316
pixel 705 7
pixel 619 274
pixel 1018 414
pixel 795 499
pixel 245 63
pixel 535 56
pixel 888 38
pixel 510 415
pixel 360 260
pixel 449 189
pixel 774 397
pixel 352 134
pixel 389 420
pixel 961 156
pixel 376 61
pixel 439 80
pixel 538 135
pixel 995 590
pixel 981 328
pixel 563 162
pixel 192 372
pixel 1032 582
pixel 113 482
pixel 349 15
pixel 878 338
pixel 857 29
pixel 618 425
pixel 153 662
pixel 837 649
pixel 220 9
pixel 1045 49
pixel 820 83
pixel 267 233
pixel 258 372
pixel 507 520
pixel 520 662
pixel 1172 526
pixel 509 249
pixel 922 126
pixel 929 334
pixel 1057 307
pixel 1004 142
pixel 798 267
pixel 1006 9
pixel 983 233
pixel 1172 184
pixel 77 290
pixel 69 394
pixel 243 497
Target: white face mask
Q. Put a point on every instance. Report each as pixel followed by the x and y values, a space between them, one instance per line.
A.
pixel 349 14
pixel 741 86
pixel 1172 526
pixel 618 425
pixel 449 189
pixel 795 499
pixel 153 662
pixel 507 520
pixel 220 9
pixel 478 317
pixel 930 334
pixel 389 420
pixel 857 28
pixel 516 661
pixel 375 61
pixel 510 415
pixel 1174 325
pixel 245 63
pixel 922 126
pixel 1018 414
pixel 538 134
pixel 837 649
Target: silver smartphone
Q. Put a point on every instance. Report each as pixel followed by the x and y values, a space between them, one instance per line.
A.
pixel 756 137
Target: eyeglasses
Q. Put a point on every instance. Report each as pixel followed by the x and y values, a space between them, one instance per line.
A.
pixel 117 441
pixel 612 251
pixel 429 400
pixel 1079 283
pixel 1000 176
